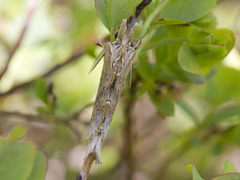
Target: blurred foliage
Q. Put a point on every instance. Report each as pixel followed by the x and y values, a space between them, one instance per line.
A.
pixel 184 99
pixel 20 159
pixel 229 172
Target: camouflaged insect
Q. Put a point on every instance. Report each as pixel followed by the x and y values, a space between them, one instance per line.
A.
pixel 118 59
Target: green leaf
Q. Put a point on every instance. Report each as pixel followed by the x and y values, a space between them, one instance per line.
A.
pixel 101 7
pixel 41 90
pixel 118 10
pixel 39 167
pixel 206 49
pixel 174 32
pixel 144 68
pixel 207 22
pixel 221 115
pixel 169 21
pixel 90 50
pixel 111 12
pixel 187 60
pixel 165 43
pixel 209 18
pixel 17 133
pixel 17 160
pixel 192 169
pixel 223 86
pixel 163 104
pixel 188 10
pixel 229 167
pixel 232 176
pixel 210 47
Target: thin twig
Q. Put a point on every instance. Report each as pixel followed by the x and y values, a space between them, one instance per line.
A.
pixel 19 40
pixel 132 20
pixel 128 140
pixel 39 119
pixel 27 117
pixel 47 74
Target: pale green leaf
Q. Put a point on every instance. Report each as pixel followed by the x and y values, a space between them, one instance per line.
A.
pixel 101 7
pixel 17 133
pixel 229 167
pixel 39 167
pixel 188 10
pixel 17 160
pixel 192 169
pixel 169 21
pixel 118 10
pixel 187 60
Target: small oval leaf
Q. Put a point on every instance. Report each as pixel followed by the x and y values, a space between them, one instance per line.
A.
pixel 229 167
pixel 187 60
pixel 188 10
pixel 17 133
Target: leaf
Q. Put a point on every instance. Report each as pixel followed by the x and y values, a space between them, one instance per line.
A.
pixel 16 160
pixel 165 43
pixel 223 86
pixel 17 133
pixel 222 114
pixel 187 60
pixel 111 12
pixel 41 90
pixel 232 176
pixel 210 47
pixel 90 50
pixel 192 169
pixel 163 104
pixel 144 69
pixel 118 10
pixel 188 10
pixel 169 21
pixel 209 18
pixel 205 49
pixel 39 167
pixel 101 7
pixel 207 22
pixel 229 167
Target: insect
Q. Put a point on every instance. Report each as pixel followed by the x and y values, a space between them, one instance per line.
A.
pixel 118 59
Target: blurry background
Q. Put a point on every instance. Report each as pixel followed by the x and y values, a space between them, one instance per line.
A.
pixel 56 109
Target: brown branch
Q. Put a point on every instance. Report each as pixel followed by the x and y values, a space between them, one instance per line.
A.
pixel 47 74
pixel 132 20
pixel 86 167
pixel 128 140
pixel 27 117
pixel 19 40
pixel 39 119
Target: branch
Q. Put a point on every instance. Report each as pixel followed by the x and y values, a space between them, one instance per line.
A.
pixel 128 154
pixel 132 20
pixel 47 74
pixel 31 10
pixel 39 119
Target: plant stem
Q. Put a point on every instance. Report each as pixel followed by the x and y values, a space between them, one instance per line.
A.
pixel 128 139
pixel 19 40
pixel 51 71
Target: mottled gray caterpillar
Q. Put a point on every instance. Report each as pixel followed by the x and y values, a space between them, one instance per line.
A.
pixel 118 60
